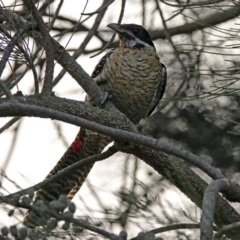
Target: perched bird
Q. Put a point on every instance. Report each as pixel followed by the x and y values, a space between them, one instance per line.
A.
pixel 135 78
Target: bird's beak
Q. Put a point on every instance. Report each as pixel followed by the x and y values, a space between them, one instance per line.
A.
pixel 116 27
pixel 126 38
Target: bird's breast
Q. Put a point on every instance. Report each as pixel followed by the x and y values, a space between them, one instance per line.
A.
pixel 133 77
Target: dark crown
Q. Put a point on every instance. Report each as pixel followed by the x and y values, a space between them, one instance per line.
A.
pixel 138 32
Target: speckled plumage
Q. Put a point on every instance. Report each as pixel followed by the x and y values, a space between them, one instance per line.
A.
pixel 135 78
pixel 132 80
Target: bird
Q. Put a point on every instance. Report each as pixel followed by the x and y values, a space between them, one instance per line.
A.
pixel 133 75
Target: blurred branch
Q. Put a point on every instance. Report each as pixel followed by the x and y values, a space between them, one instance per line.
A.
pixel 83 224
pixel 176 226
pixel 9 124
pixel 11 148
pixel 104 6
pixel 48 47
pixel 213 19
pixel 60 134
pixel 188 28
pixel 208 207
pixel 200 3
pixel 14 41
pixel 8 50
pixel 185 78
pixel 114 34
pixel 169 38
pixel 55 16
pixel 5 58
pixel 226 229
pixel 85 42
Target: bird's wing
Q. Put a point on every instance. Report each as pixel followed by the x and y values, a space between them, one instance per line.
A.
pixel 100 66
pixel 161 88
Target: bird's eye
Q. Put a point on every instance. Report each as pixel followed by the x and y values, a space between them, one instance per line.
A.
pixel 136 31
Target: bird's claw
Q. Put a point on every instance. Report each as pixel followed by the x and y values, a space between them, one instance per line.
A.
pixel 140 128
pixel 106 97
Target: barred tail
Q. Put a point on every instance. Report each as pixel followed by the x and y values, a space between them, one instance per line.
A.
pixel 86 143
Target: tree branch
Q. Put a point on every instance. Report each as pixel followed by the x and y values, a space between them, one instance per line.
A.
pixel 208 207
pixel 44 106
pixel 87 39
pixel 106 123
pixel 16 39
pixel 48 47
pixel 9 124
pixel 5 58
pixel 186 180
pixel 64 59
pixel 226 229
pixel 176 226
pixel 188 28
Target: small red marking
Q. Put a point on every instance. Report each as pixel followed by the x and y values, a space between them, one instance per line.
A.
pixel 77 145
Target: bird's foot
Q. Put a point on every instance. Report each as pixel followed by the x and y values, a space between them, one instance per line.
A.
pixel 141 128
pixel 106 97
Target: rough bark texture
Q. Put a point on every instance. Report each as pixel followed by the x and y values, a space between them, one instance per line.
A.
pixel 186 180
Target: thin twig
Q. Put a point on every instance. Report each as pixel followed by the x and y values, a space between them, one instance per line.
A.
pixel 192 4
pixel 9 124
pixel 176 53
pixel 27 57
pixel 55 16
pixel 8 50
pixel 5 58
pixel 86 225
pixel 83 45
pixel 11 149
pixel 114 34
pixel 48 46
pixel 103 7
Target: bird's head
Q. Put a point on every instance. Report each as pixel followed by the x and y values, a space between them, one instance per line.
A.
pixel 132 35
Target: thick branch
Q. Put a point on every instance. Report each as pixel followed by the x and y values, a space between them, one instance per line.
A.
pixel 89 117
pixel 208 207
pixel 66 109
pixel 179 174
